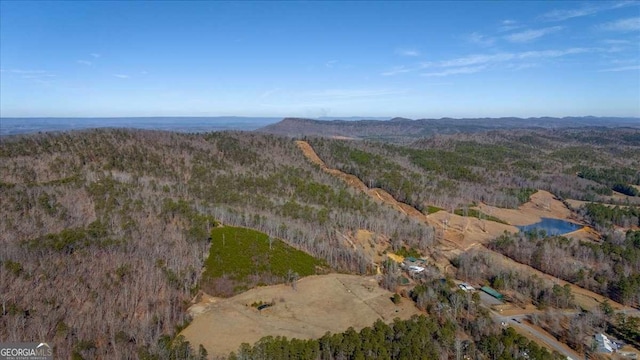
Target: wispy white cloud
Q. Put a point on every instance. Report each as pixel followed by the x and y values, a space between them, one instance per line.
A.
pixel 268 93
pixel 616 42
pixel 397 70
pixel 84 62
pixel 516 61
pixel 21 71
pixel 95 55
pixel 352 93
pixel 480 39
pixel 516 66
pixel 41 77
pixel 407 52
pixel 590 9
pixel 38 76
pixel 530 35
pixel 439 83
pixel 625 61
pixel 622 68
pixel 330 63
pixel 622 25
pixel 456 71
pixel 480 62
pixel 121 76
pixel 553 53
pixel 508 25
pixel 474 60
pixel 559 15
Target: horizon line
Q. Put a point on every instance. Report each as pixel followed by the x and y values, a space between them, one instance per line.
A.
pixel 316 118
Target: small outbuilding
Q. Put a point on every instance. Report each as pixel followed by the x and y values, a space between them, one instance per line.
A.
pixel 493 292
pixel 466 287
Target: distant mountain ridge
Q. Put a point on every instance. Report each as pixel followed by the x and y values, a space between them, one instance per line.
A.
pixel 351 118
pixel 357 127
pixel 191 124
pixel 402 127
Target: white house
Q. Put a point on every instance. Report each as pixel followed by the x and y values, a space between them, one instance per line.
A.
pixel 604 344
pixel 466 287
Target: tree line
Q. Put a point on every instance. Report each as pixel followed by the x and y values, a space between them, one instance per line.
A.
pixel 610 268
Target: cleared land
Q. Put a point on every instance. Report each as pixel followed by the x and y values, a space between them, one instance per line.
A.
pixel 541 204
pixel 319 304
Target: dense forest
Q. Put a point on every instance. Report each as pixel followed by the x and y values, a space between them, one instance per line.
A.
pixel 605 217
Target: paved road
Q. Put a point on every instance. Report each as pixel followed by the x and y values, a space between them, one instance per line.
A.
pixel 519 323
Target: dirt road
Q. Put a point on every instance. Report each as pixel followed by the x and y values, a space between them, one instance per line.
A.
pixel 536 334
pixel 462 232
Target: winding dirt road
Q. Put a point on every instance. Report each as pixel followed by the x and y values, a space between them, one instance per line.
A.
pixel 459 231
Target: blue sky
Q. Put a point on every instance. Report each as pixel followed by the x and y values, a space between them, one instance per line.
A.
pixel 309 59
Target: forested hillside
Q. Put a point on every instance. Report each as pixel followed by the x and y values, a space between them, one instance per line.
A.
pixel 105 232
pixel 500 167
pixel 611 268
pixel 402 130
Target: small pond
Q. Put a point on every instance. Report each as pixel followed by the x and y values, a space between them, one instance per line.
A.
pixel 552 226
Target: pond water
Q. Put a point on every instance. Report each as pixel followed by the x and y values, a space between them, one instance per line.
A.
pixel 552 226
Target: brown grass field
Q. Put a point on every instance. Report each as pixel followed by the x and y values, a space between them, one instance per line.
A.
pixel 320 303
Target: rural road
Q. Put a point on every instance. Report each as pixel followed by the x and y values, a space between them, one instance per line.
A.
pixel 518 322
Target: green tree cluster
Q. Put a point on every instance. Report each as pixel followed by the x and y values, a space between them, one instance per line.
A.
pixel 420 337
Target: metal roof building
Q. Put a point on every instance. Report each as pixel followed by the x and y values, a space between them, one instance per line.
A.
pixel 492 292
